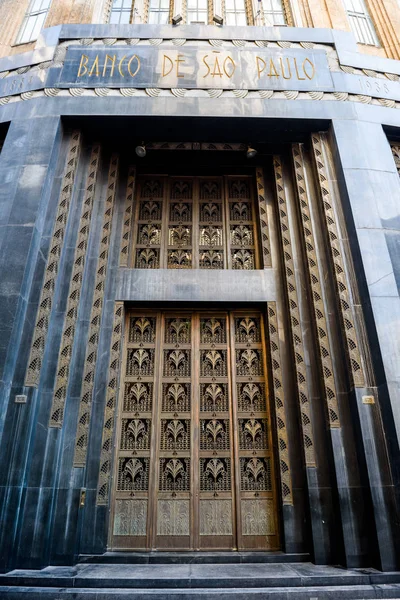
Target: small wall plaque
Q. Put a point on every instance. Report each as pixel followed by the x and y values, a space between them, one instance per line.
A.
pixel 368 400
pixel 21 399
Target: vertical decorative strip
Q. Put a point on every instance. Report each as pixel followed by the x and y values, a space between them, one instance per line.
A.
pixel 46 298
pixel 287 10
pixel 127 224
pixel 295 320
pixel 95 320
pixel 283 446
pixel 67 340
pixel 249 12
pixel 110 407
pixel 342 287
pixel 315 282
pixel 396 155
pixel 262 208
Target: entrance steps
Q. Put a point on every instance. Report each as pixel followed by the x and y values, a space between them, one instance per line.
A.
pixel 193 581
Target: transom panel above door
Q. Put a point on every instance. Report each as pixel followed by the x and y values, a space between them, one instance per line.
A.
pixel 194 465
pixel 195 223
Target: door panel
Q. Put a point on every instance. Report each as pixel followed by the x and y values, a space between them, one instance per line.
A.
pixel 194 466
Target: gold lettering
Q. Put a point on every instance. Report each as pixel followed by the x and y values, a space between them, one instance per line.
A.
pixel 82 65
pixel 179 59
pixel 129 65
pixel 227 61
pixel 283 69
pixel 272 66
pixel 307 60
pixel 297 71
pixel 207 65
pixel 171 65
pixel 112 59
pixel 215 72
pixel 95 67
pixel 259 69
pixel 120 65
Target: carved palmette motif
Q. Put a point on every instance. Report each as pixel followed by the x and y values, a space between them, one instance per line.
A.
pixel 315 282
pixel 212 331
pixel 133 474
pixel 214 397
pixel 215 474
pixel 213 363
pixel 253 434
pixel 51 270
pixel 135 434
pixel 174 474
pixel 140 362
pixel 111 403
pixel 295 327
pixel 210 190
pixel 214 434
pixel 75 286
pixel 251 397
pixel 248 363
pixel 247 330
pixel 96 317
pixel 142 330
pixel 177 331
pixel 138 397
pixel 180 211
pixel 176 397
pixel 342 286
pixel 177 363
pixel 279 397
pixel 255 474
pixel 175 434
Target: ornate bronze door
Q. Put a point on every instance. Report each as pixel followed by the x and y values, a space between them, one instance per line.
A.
pixel 194 464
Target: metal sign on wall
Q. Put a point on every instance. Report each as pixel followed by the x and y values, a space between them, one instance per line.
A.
pixel 191 67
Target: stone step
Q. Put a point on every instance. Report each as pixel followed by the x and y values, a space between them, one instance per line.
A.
pixel 195 576
pixel 345 592
pixel 192 558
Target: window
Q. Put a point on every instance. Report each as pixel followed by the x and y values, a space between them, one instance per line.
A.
pixel 273 12
pixel 360 22
pixel 235 12
pixel 197 11
pixel 159 12
pixel 33 21
pixel 121 12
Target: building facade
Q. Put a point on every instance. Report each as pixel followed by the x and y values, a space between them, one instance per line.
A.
pixel 200 275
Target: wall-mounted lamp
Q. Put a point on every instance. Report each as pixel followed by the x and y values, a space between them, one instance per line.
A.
pixel 218 20
pixel 176 19
pixel 250 152
pixel 141 150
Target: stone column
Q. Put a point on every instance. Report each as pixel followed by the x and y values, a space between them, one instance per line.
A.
pixel 370 190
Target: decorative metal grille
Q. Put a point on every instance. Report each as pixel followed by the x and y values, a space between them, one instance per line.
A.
pixel 199 223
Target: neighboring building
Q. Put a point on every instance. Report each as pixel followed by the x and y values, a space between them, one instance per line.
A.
pixel 199 278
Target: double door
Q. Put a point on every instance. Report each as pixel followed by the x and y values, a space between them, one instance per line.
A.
pixel 194 466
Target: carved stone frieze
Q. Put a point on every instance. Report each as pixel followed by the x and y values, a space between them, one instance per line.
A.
pixel 95 319
pixel 71 314
pixel 315 280
pixel 51 270
pixel 295 318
